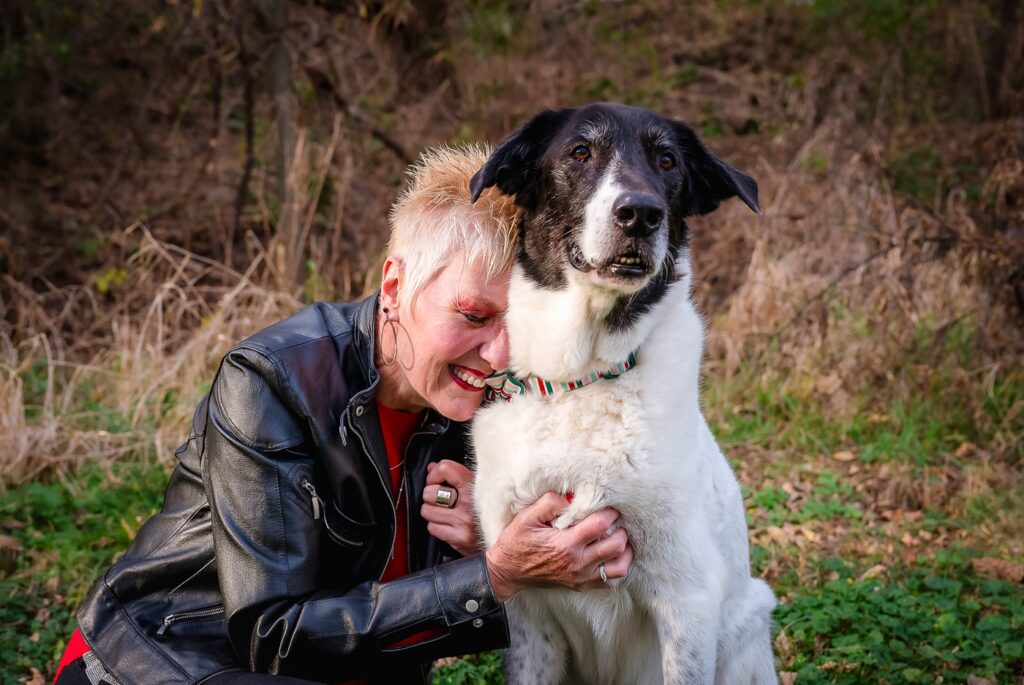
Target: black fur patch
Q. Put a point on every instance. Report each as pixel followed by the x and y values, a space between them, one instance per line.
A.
pixel 539 166
pixel 628 309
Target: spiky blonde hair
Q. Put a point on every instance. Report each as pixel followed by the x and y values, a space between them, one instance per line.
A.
pixel 434 218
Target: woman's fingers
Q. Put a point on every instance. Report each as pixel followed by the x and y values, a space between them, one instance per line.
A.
pixel 462 539
pixel 430 496
pixel 606 549
pixel 595 526
pixel 544 510
pixel 619 566
pixel 451 472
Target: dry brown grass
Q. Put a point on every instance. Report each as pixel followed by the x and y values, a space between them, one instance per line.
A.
pixel 846 288
pixel 149 366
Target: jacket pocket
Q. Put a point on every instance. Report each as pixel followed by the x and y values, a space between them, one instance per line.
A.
pixel 339 528
pixel 209 613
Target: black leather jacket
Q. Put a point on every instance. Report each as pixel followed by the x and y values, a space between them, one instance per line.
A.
pixel 277 524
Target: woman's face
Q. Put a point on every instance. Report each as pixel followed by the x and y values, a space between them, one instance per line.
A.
pixel 454 336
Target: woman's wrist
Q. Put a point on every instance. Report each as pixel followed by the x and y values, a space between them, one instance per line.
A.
pixel 501 585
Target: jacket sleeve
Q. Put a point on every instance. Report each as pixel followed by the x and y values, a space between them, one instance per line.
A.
pixel 279 620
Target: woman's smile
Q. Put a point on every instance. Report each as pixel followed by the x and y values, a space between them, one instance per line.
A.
pixel 466 378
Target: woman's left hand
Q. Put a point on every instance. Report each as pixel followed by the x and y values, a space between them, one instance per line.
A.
pixel 455 525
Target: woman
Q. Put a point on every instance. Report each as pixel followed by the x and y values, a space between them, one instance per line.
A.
pixel 319 524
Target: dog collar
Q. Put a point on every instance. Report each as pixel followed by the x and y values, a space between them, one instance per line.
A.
pixel 505 385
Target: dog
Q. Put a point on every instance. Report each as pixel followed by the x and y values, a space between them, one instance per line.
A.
pixel 605 349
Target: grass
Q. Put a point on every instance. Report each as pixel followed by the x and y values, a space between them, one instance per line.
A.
pixel 60 536
pixel 872 590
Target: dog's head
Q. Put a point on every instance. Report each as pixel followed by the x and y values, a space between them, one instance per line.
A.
pixel 605 190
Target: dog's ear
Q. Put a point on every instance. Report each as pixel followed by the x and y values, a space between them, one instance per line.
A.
pixel 514 165
pixel 712 181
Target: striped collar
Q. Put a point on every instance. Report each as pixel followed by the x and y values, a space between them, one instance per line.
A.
pixel 505 386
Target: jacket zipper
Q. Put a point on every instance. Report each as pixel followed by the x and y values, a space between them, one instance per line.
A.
pixel 387 491
pixel 408 489
pixel 202 614
pixel 318 508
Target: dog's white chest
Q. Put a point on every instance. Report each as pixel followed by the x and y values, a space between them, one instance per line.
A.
pixel 592 442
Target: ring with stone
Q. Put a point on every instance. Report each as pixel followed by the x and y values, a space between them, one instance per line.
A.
pixel 446 497
pixel 604 576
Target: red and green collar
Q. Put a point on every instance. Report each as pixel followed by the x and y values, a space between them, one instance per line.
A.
pixel 505 385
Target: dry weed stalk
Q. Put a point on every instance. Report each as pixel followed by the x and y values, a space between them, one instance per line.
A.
pixel 139 391
pixel 845 285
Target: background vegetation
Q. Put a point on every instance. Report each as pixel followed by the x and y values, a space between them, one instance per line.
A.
pixel 176 174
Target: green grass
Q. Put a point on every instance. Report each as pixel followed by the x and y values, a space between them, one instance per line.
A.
pixel 917 624
pixel 68 533
pixel 926 614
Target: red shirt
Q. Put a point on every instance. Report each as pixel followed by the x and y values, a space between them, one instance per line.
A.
pixel 397 427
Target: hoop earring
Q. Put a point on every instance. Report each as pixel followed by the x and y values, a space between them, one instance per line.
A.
pixel 388 321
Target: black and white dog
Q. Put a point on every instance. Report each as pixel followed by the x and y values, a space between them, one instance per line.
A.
pixel 606 349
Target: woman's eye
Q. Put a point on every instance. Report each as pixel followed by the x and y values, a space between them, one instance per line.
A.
pixel 474 318
pixel 667 161
pixel 581 153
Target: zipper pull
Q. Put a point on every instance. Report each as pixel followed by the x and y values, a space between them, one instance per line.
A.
pixel 313 498
pixel 164 626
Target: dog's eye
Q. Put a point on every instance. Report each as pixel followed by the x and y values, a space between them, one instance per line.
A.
pixel 581 153
pixel 667 161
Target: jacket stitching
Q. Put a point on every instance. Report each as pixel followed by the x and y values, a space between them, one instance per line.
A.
pixel 284 537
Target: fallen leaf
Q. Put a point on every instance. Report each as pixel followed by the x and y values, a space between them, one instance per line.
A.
pixel 829 384
pixel 1002 569
pixel 844 455
pixel 12 524
pixel 873 572
pixel 963 450
pixel 7 542
pixel 35 679
pixel 787 677
pixel 975 680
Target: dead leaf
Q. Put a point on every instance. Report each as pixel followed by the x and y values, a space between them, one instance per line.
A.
pixel 787 677
pixel 12 524
pixel 873 572
pixel 844 455
pixel 35 679
pixel 829 384
pixel 1002 569
pixel 964 449
pixel 7 542
pixel 975 680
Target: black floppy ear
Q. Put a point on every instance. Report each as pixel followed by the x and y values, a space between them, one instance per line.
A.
pixel 712 181
pixel 514 165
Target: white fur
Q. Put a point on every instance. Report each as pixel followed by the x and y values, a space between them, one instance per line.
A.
pixel 688 612
pixel 595 240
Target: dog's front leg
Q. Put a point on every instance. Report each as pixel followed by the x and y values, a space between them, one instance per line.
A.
pixel 539 651
pixel 688 632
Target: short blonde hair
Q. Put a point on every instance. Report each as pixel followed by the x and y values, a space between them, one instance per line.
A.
pixel 434 218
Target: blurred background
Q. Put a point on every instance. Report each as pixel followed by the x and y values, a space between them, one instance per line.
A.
pixel 176 174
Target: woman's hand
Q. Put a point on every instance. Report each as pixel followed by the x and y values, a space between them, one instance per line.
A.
pixel 532 553
pixel 455 525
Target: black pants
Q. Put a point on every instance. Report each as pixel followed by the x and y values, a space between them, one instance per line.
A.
pixel 74 674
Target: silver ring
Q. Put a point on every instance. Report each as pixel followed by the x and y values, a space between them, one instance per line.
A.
pixel 446 497
pixel 604 576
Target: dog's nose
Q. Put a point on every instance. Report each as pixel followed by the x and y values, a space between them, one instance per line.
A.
pixel 637 215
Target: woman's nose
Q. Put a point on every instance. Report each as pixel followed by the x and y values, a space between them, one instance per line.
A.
pixel 495 350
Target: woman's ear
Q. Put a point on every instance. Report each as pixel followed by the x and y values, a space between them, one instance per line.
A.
pixel 391 281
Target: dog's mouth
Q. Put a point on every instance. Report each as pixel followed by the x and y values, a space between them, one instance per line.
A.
pixel 629 265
